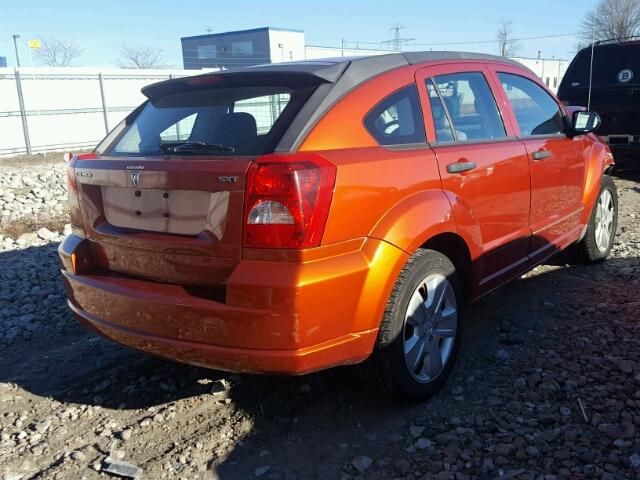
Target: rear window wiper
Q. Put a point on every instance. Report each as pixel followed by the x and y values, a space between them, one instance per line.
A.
pixel 194 147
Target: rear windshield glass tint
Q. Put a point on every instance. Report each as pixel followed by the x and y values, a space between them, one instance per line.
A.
pixel 241 120
pixel 611 66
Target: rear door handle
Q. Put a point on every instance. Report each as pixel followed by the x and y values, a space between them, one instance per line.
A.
pixel 459 167
pixel 542 154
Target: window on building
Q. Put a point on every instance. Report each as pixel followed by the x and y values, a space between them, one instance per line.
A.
pixel 470 106
pixel 397 119
pixel 207 51
pixel 536 112
pixel 242 48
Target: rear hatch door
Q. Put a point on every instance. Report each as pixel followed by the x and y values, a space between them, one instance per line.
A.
pixel 173 220
pixel 619 107
pixel 163 199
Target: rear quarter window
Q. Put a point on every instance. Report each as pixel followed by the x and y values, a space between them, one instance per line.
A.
pixel 397 120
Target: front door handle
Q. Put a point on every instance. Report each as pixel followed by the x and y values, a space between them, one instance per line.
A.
pixel 459 167
pixel 542 154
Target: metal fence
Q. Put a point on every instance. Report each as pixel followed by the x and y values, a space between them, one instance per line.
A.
pixel 47 109
pixel 265 109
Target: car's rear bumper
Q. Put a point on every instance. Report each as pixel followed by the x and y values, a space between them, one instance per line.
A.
pixel 278 316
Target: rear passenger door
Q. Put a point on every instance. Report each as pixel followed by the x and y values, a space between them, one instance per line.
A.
pixel 483 166
pixel 556 162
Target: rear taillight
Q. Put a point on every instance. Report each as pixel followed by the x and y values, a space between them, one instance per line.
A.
pixel 287 200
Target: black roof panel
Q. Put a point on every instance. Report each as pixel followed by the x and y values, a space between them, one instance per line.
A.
pixel 358 69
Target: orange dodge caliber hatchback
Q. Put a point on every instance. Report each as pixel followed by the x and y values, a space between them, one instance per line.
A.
pixel 292 217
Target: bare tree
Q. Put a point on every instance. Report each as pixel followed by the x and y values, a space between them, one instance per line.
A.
pixel 56 52
pixel 132 56
pixel 611 19
pixel 507 45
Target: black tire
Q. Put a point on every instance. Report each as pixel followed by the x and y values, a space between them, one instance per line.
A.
pixel 586 250
pixel 386 370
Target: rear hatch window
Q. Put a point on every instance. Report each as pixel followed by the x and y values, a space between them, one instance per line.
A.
pixel 615 95
pixel 214 116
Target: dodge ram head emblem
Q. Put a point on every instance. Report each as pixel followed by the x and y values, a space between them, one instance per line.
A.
pixel 135 178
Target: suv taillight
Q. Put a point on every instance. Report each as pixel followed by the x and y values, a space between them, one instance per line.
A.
pixel 287 200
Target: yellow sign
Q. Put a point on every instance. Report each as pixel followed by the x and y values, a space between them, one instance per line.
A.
pixel 34 44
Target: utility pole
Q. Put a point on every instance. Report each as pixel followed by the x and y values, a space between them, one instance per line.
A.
pixel 397 41
pixel 15 45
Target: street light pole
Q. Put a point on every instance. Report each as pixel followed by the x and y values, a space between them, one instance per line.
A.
pixel 15 45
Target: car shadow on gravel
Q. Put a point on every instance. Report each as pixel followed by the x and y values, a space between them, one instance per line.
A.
pixel 329 415
pixel 44 350
pixel 332 416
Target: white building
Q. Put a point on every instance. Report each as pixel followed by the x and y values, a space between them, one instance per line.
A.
pixel 550 71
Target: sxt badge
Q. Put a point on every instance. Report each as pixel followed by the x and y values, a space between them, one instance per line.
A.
pixel 228 179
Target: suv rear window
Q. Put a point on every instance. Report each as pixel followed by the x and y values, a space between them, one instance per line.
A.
pixel 611 66
pixel 241 120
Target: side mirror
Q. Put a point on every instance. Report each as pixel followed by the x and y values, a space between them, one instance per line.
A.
pixel 585 122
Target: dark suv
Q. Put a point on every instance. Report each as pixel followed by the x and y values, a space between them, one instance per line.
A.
pixel 615 92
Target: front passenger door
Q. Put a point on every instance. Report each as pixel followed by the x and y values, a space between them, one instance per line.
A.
pixel 557 165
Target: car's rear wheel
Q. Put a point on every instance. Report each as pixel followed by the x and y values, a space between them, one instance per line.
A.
pixel 601 230
pixel 420 333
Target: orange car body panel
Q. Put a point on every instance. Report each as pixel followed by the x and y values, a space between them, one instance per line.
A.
pixel 297 311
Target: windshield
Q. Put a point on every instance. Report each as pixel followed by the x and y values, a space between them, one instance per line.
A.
pixel 611 66
pixel 238 120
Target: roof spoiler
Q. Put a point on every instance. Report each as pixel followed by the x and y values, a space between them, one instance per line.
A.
pixel 311 73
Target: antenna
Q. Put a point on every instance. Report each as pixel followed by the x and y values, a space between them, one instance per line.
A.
pixel 593 45
pixel 397 41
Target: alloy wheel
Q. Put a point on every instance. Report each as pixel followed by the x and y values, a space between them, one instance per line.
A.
pixel 604 220
pixel 430 326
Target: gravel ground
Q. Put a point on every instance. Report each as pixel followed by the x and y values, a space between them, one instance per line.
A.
pixel 33 193
pixel 547 386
